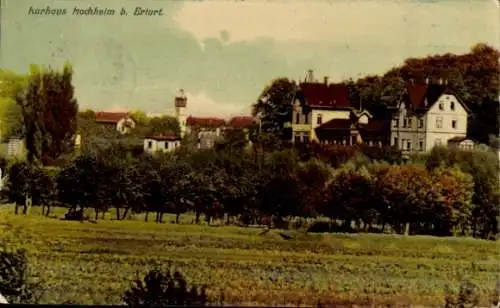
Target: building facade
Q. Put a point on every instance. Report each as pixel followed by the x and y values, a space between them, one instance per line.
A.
pixel 323 113
pixel 429 115
pixel 161 143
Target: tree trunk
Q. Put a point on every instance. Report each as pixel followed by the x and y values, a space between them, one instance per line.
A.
pixel 48 210
pixel 161 217
pixel 157 219
pixel 177 218
pixel 96 214
pixel 16 210
pixel 197 220
pixel 146 216
pixel 125 213
pixel 102 214
pixel 407 228
pixel 117 213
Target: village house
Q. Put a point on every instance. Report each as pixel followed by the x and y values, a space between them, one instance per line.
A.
pixel 161 143
pixel 322 112
pixel 428 115
pixel 122 121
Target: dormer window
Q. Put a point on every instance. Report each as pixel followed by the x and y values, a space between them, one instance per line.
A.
pixel 395 122
pixel 452 106
pixel 441 106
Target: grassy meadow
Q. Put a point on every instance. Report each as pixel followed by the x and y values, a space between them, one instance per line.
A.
pixel 95 262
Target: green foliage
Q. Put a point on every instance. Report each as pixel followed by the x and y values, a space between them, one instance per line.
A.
pixel 274 105
pixel 163 289
pixel 50 114
pixel 16 282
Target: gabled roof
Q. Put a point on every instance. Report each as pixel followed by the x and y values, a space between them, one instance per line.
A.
pixel 110 117
pixel 323 96
pixel 163 137
pixel 205 122
pixel 337 124
pixel 241 122
pixel 457 139
pixel 421 96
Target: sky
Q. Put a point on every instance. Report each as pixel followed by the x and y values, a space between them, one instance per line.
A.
pixel 224 52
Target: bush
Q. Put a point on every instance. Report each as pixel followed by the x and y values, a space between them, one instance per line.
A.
pixel 16 285
pixel 159 289
pixel 467 296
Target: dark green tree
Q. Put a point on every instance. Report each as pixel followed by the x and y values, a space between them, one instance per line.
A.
pixel 50 114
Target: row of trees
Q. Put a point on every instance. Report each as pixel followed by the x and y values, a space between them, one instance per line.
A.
pixel 447 191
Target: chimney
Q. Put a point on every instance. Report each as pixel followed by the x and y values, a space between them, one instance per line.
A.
pixel 325 79
pixel 310 77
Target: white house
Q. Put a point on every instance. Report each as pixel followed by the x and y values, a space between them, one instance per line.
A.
pixel 161 143
pixel 429 115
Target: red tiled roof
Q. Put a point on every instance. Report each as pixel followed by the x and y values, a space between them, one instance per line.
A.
pixel 110 117
pixel 163 137
pixel 336 124
pixel 320 95
pixel 205 122
pixel 418 93
pixel 241 122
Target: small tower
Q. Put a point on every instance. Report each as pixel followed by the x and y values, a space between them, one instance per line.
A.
pixel 180 111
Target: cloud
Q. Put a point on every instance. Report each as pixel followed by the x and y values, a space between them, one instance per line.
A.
pixel 223 53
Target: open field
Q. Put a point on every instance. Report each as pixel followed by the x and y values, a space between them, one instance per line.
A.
pixel 93 263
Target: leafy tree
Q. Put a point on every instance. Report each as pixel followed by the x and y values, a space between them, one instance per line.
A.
pixel 163 124
pixel 348 197
pixel 408 194
pixel 314 176
pixel 159 289
pixel 140 117
pixel 11 86
pixel 78 184
pixel 455 207
pixel 50 113
pixel 274 105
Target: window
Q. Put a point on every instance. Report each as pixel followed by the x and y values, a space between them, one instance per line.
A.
pixel 395 122
pixel 297 118
pixel 409 123
pixel 439 122
pixel 403 141
pixel 166 144
pixel 150 144
pixel 395 141
pixel 420 123
pixel 305 138
pixel 454 123
pixel 306 119
pixel 319 120
pixel 408 144
pixel 297 138
pixel 452 106
pixel 421 145
pixel 405 122
pixel 441 106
